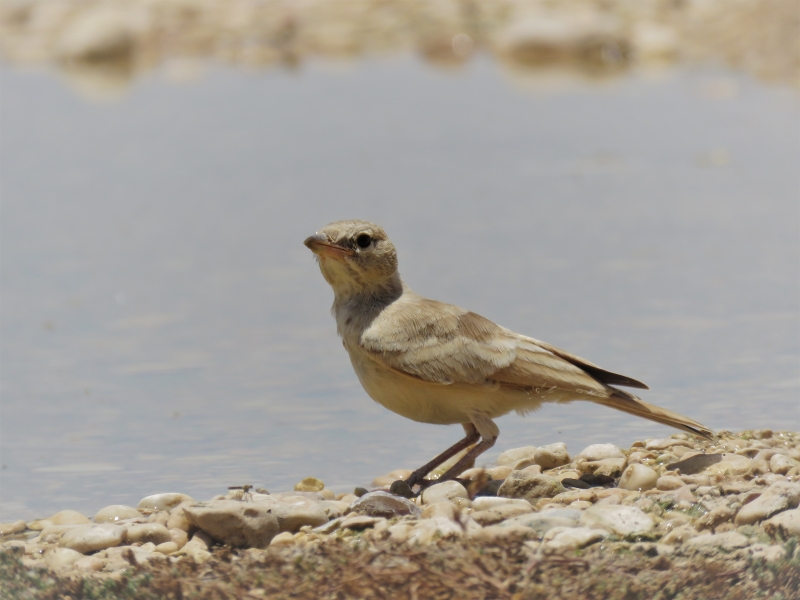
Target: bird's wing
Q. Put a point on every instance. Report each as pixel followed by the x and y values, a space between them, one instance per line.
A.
pixel 441 343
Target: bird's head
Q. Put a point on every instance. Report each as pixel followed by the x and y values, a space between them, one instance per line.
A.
pixel 354 257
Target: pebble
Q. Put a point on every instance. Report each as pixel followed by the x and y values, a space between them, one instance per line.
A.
pixel 116 512
pixel 429 531
pixel 597 452
pixel 513 456
pixel 147 532
pixel 59 558
pixel 679 535
pixel 530 487
pixel 500 513
pixel 695 464
pixel 552 455
pixel 384 504
pixel 68 517
pixel 238 524
pixel 669 482
pixel 441 509
pixel 541 522
pixel 92 537
pixel 309 484
pixel 778 497
pixel 360 522
pixel 784 525
pixel 638 477
pixel 499 473
pixel 159 502
pixel 622 520
pixel 781 464
pixel 15 527
pixel 727 541
pixel 572 537
pixel 610 467
pixel 446 490
pixel 177 519
pixel 89 563
pixel 179 537
pixel 167 547
pixel 282 539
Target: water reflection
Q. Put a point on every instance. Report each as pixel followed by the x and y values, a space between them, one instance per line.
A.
pixel 164 328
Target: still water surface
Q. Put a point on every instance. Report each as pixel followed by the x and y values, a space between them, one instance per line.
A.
pixel 164 328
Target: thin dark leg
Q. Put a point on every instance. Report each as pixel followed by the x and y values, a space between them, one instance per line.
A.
pixel 472 437
pixel 468 459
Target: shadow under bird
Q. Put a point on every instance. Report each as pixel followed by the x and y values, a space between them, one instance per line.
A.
pixel 437 363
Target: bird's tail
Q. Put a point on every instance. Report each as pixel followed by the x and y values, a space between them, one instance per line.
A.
pixel 633 405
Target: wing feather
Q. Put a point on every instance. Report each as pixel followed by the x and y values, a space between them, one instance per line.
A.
pixel 441 343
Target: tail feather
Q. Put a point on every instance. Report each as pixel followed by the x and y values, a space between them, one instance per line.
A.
pixel 633 405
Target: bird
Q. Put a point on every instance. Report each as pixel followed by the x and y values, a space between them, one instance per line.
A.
pixel 438 363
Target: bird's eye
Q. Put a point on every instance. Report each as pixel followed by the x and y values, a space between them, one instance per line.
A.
pixel 363 240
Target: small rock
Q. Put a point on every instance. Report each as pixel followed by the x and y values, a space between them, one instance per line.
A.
pixel 714 518
pixel 92 537
pixel 608 467
pixel 116 512
pixel 552 455
pixel 401 488
pixel 541 522
pixel 669 482
pixel 501 513
pixel 59 558
pixel 446 490
pixel 198 547
pixel 784 525
pixel 282 539
pixel 39 524
pixel 384 504
pixel 360 522
pixel 623 520
pixel 597 452
pixel 159 502
pixel 89 563
pixel 441 509
pixel 572 537
pixel 488 502
pixel 238 524
pixel 309 484
pixel 499 473
pixel 360 491
pixel 663 444
pixel 431 530
pixel 638 477
pixel 679 535
pixel 730 465
pixel 68 517
pixel 334 508
pixel 781 464
pixel 147 532
pixel 776 498
pixel 179 537
pixel 728 541
pixel 15 527
pixel 510 457
pixel 178 520
pixel 167 547
pixel 524 464
pixel 695 464
pixel 530 487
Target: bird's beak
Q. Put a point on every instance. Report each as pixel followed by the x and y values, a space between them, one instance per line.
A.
pixel 321 246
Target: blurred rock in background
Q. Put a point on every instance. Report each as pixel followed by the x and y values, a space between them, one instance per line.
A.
pixel 107 42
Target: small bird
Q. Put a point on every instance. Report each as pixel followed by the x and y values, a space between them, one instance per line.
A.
pixel 437 363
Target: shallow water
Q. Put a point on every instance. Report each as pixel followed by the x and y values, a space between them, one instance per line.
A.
pixel 164 328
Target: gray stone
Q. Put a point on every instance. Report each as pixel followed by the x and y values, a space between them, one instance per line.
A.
pixel 530 486
pixel 727 541
pixel 92 537
pixel 695 464
pixel 384 504
pixel 239 524
pixel 622 520
pixel 552 455
pixel 541 522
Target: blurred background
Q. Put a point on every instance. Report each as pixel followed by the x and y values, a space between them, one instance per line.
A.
pixel 621 179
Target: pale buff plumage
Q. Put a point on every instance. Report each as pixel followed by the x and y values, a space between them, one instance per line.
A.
pixel 438 363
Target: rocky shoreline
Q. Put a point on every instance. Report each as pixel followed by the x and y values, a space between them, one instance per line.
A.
pixel 668 516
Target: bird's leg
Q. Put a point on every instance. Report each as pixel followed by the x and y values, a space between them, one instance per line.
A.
pixel 488 431
pixel 471 437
